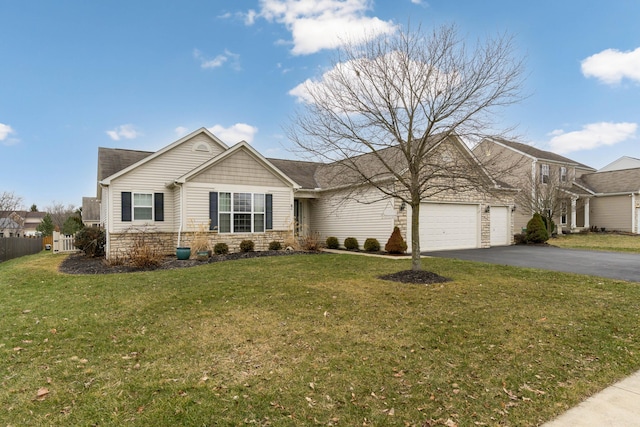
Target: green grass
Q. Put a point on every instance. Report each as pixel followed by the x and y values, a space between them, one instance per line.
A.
pixel 599 241
pixel 308 340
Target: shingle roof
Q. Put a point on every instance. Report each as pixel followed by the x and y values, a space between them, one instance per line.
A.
pixel 538 153
pixel 90 209
pixel 303 173
pixel 619 181
pixel 112 160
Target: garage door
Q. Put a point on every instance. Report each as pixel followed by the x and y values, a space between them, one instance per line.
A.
pixel 499 226
pixel 448 226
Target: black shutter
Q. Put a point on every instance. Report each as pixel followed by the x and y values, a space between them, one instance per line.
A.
pixel 126 205
pixel 268 198
pixel 213 210
pixel 158 207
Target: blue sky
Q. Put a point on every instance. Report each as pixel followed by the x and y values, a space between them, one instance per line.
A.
pixel 76 75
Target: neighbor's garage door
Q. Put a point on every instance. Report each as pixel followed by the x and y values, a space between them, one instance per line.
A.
pixel 448 226
pixel 499 226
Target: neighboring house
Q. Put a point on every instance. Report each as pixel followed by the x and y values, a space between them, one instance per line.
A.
pixel 624 162
pixel 235 193
pixel 91 211
pixel 20 223
pixel 616 205
pixel 532 169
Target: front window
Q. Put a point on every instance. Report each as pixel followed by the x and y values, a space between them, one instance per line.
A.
pixel 544 173
pixel 142 206
pixel 241 212
pixel 563 213
pixel 563 174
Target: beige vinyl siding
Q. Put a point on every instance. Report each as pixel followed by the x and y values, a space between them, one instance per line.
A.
pixel 611 212
pixel 197 209
pixel 152 177
pixel 334 214
pixel 240 168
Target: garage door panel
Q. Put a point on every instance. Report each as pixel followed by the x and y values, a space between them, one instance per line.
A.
pixel 499 226
pixel 448 226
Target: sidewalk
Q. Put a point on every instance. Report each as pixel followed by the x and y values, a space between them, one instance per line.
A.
pixel 618 405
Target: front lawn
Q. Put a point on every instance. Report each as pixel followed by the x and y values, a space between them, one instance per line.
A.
pixel 598 241
pixel 308 340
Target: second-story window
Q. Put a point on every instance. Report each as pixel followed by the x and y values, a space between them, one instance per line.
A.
pixel 563 174
pixel 544 173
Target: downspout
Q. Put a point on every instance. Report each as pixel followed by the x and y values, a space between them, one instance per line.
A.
pixel 181 211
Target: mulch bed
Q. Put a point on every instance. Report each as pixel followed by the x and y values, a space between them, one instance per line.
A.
pixel 81 264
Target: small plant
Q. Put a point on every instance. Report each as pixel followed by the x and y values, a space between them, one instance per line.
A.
pixel 275 245
pixel 246 246
pixel 145 251
pixel 396 244
pixel 310 242
pixel 519 238
pixel 91 241
pixel 351 244
pixel 200 241
pixel 536 231
pixel 371 245
pixel 332 242
pixel 221 248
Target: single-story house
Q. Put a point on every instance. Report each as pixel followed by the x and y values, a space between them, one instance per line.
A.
pixel 199 184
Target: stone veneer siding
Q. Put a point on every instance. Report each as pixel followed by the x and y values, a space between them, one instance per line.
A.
pixel 121 243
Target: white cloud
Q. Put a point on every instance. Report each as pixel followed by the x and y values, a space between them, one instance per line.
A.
pixel 591 136
pixel 392 64
pixel 235 133
pixel 219 60
pixel 123 132
pixel 317 25
pixel 181 131
pixel 611 66
pixel 5 131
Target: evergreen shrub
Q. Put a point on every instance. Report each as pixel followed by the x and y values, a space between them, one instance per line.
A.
pixel 396 244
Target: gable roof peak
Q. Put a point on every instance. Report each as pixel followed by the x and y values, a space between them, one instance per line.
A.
pixel 537 153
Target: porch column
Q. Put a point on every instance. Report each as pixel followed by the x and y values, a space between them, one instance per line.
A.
pixel 586 212
pixel 573 213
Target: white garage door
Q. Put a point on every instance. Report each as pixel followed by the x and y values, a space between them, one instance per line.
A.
pixel 448 226
pixel 499 226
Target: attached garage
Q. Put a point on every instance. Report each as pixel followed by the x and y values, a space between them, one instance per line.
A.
pixel 500 235
pixel 449 226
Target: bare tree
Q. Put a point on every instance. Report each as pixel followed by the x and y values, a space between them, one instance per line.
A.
pixel 9 203
pixel 389 103
pixel 544 194
pixel 59 213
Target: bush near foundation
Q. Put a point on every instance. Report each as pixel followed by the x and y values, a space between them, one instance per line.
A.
pixel 371 245
pixel 351 244
pixel 396 244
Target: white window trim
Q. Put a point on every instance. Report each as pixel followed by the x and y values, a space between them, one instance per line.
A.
pixel 133 205
pixel 233 212
pixel 544 173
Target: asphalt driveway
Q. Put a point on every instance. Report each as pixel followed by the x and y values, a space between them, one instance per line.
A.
pixel 613 265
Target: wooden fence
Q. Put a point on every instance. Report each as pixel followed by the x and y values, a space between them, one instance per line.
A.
pixel 63 243
pixel 14 247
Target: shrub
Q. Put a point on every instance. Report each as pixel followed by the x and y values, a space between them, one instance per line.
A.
pixel 246 246
pixel 351 244
pixel 221 248
pixel 536 231
pixel 332 242
pixel 145 251
pixel 396 244
pixel 310 242
pixel 552 229
pixel 275 245
pixel 520 238
pixel 91 241
pixel 371 245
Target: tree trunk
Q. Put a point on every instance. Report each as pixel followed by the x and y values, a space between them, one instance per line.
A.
pixel 416 261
